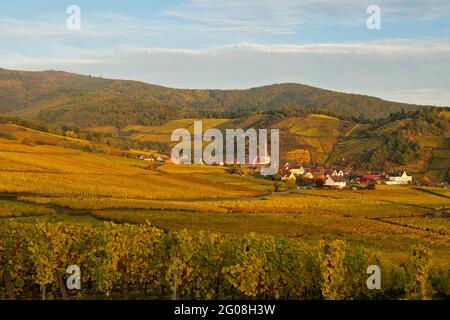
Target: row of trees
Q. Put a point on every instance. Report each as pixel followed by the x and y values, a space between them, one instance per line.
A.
pixel 137 261
pixel 63 130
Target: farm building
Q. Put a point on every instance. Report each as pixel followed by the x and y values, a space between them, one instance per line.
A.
pixel 398 178
pixel 336 182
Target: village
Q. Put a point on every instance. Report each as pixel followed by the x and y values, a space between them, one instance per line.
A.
pixel 310 176
pixel 336 178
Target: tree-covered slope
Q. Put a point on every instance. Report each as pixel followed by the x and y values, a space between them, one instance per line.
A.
pixel 88 101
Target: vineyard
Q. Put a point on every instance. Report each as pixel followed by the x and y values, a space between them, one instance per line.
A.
pixel 388 219
pixel 163 133
pixel 147 231
pixel 55 172
pixel 144 262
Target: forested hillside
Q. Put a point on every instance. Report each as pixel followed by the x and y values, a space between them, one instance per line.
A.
pixel 87 101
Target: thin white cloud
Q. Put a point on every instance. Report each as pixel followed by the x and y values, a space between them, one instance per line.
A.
pixel 93 26
pixel 286 16
pixel 387 47
pixel 387 69
pixel 438 96
pixel 374 48
pixel 17 28
pixel 20 62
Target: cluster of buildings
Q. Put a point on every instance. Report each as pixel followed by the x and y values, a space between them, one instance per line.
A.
pixel 391 178
pixel 341 178
pixel 328 177
pixel 150 157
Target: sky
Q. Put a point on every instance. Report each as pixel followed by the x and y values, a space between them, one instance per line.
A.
pixel 237 44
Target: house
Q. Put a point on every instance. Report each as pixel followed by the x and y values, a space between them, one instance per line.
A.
pixel 336 173
pixel 336 182
pixel 287 173
pixel 298 172
pixel 398 178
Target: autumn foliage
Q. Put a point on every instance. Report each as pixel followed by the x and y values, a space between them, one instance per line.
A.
pixel 141 261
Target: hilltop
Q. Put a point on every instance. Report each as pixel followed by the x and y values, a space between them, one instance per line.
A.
pixel 87 101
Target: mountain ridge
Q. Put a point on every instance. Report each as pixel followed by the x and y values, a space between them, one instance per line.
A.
pixel 86 101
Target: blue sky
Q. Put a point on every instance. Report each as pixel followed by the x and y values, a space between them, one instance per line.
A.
pixel 240 43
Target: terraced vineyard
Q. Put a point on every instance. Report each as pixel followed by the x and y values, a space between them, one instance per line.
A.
pixel 163 133
pixel 439 163
pixel 310 138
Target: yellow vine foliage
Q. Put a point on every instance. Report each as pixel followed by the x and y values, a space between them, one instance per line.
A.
pixel 419 286
pixel 333 270
pixel 126 261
